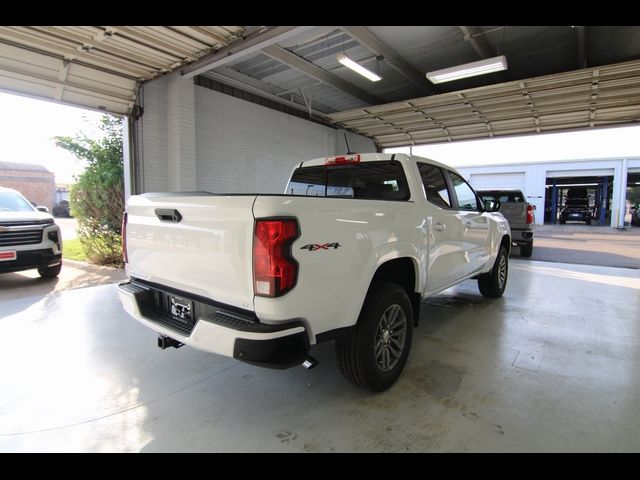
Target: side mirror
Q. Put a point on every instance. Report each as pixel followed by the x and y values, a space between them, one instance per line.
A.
pixel 42 209
pixel 491 205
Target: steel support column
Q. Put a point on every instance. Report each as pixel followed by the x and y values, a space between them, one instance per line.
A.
pixel 554 202
pixel 604 193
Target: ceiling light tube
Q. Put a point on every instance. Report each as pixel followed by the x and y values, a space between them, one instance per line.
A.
pixel 356 67
pixel 488 65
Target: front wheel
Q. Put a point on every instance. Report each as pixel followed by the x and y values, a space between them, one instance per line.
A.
pixel 492 284
pixel 50 272
pixel 374 354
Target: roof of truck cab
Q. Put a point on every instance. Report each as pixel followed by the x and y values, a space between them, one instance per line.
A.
pixel 372 157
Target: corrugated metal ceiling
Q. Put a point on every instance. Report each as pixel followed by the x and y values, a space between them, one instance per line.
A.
pixel 100 67
pixel 592 97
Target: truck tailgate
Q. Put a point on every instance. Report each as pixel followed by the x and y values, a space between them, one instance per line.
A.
pixel 515 213
pixel 204 249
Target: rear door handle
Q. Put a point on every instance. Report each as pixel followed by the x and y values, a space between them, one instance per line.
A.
pixel 439 226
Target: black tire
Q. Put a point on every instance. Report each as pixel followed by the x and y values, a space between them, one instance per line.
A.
pixel 562 221
pixel 588 221
pixel 384 308
pixel 50 272
pixel 492 284
pixel 526 250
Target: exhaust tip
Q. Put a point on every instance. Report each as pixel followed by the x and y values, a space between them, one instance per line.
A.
pixel 309 362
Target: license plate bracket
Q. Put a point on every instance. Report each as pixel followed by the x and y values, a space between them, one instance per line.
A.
pixel 180 309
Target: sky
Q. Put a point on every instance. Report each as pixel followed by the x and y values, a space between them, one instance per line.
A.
pixel 27 128
pixel 615 142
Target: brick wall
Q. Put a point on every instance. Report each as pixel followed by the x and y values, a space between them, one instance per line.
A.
pixel 38 187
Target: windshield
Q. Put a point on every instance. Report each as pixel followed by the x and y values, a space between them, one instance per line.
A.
pixel 380 180
pixel 14 202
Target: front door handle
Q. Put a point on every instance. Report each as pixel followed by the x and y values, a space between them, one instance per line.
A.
pixel 439 226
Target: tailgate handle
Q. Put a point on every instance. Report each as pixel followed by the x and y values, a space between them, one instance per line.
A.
pixel 168 215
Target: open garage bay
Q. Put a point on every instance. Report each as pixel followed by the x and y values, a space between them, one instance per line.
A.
pixel 552 366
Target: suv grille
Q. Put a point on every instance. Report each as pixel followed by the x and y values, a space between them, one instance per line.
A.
pixel 20 237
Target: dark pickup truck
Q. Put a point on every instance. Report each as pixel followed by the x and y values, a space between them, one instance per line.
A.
pixel 515 208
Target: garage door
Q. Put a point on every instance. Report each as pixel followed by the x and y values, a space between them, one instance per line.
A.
pixel 483 181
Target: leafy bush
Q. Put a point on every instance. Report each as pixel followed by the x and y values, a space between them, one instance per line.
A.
pixel 97 197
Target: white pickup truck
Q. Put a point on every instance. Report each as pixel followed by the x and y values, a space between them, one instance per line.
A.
pixel 346 254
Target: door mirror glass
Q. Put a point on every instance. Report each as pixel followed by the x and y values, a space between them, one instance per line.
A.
pixel 491 205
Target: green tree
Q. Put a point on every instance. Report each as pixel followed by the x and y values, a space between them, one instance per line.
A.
pixel 97 197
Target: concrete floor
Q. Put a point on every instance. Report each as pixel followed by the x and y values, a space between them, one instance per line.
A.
pixel 587 245
pixel 552 366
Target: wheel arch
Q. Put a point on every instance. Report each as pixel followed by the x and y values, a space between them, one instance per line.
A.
pixel 402 271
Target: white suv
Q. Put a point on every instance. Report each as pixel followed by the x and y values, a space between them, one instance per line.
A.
pixel 28 238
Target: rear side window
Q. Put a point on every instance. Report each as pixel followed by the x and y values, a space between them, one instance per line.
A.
pixel 435 185
pixel 382 180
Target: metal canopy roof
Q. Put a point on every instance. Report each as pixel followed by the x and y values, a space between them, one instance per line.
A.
pixel 591 97
pixel 559 77
pixel 99 67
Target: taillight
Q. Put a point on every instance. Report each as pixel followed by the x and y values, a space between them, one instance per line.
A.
pixel 274 270
pixel 342 159
pixel 123 230
pixel 529 214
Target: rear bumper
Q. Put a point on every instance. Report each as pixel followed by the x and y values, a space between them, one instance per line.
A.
pixel 522 237
pixel 28 259
pixel 216 329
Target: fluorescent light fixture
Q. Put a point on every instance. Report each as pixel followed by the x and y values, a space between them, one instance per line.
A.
pixel 488 65
pixel 356 67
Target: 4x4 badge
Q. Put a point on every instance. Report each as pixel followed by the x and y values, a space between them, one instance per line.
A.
pixel 312 247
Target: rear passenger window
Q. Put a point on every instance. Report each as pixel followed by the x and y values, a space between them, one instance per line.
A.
pixel 434 185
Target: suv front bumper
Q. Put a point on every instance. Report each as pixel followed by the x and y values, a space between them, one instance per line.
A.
pixel 217 329
pixel 28 259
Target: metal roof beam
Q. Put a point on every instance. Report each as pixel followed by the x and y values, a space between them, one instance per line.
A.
pixel 259 87
pixel 252 43
pixel 298 63
pixel 364 36
pixel 583 47
pixel 473 35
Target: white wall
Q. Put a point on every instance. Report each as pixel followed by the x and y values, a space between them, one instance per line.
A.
pixel 194 138
pixel 244 147
pixel 536 175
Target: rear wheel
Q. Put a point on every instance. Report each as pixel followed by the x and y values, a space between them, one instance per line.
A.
pixel 374 354
pixel 50 272
pixel 526 250
pixel 588 221
pixel 492 284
